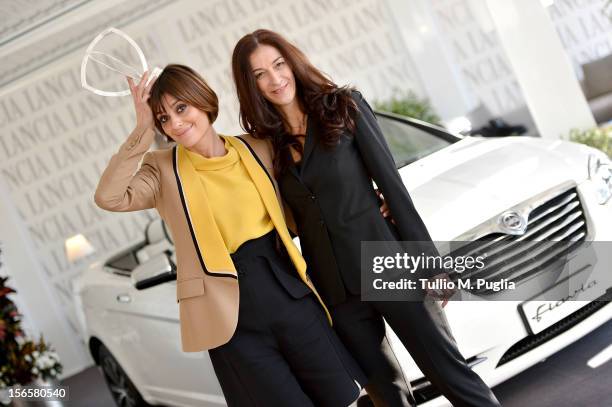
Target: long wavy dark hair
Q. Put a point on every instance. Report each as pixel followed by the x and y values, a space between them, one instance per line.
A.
pixel 332 107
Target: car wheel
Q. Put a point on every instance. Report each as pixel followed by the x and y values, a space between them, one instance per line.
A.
pixel 121 387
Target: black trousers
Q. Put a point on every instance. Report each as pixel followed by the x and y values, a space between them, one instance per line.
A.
pixel 422 329
pixel 284 352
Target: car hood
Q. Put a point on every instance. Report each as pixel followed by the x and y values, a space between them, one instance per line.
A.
pixel 475 179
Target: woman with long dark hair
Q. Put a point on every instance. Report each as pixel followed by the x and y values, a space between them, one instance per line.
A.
pixel 327 149
pixel 242 286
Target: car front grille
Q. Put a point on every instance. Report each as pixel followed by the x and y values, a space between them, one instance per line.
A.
pixel 554 230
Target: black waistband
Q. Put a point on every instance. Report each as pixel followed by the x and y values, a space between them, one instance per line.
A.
pixel 262 246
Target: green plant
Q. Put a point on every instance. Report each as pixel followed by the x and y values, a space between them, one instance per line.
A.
pixel 408 103
pixel 21 360
pixel 600 138
pixel 13 367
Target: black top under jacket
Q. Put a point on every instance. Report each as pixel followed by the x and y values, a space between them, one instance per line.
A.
pixel 336 208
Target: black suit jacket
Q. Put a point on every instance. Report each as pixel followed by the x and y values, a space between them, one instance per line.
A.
pixel 336 208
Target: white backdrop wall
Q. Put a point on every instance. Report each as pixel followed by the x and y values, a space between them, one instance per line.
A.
pixel 585 30
pixel 474 45
pixel 57 138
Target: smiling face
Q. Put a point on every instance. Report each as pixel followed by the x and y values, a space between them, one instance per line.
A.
pixel 273 76
pixel 182 122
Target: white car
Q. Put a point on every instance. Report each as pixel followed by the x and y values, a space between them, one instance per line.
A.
pixel 461 186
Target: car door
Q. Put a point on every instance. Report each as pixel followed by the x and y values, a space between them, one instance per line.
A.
pixel 144 335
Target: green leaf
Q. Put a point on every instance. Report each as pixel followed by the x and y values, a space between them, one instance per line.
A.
pixel 600 138
pixel 408 103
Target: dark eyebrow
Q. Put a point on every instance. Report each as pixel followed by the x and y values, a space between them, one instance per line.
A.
pixel 163 111
pixel 272 62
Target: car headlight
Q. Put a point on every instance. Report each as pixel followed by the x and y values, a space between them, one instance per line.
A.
pixel 600 173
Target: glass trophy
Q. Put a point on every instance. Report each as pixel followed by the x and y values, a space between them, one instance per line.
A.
pixel 109 59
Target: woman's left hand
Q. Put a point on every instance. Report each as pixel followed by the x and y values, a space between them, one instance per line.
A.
pixel 443 294
pixel 384 209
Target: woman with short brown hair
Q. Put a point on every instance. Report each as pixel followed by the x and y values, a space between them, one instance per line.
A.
pixel 243 297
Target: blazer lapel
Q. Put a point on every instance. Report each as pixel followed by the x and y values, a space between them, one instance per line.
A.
pixel 293 170
pixel 309 144
pixel 207 239
pixel 264 185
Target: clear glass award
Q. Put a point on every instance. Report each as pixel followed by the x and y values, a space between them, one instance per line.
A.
pixel 109 59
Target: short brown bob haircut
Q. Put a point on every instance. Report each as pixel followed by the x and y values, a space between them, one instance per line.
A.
pixel 186 85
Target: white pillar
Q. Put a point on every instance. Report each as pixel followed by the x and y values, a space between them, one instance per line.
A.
pixel 40 309
pixel 431 58
pixel 542 67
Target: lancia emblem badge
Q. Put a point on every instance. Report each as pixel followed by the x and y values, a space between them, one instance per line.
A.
pixel 513 223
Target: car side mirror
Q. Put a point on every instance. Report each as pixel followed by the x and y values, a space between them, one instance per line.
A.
pixel 157 270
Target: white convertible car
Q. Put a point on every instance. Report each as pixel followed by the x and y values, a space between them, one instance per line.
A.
pixel 463 187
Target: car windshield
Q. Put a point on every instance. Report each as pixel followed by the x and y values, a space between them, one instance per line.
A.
pixel 410 143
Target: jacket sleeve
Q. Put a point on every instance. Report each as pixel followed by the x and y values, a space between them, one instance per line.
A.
pixel 379 163
pixel 123 187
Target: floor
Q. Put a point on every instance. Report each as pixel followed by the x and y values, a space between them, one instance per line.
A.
pixel 562 380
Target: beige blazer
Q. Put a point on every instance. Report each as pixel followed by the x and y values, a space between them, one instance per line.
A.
pixel 208 301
